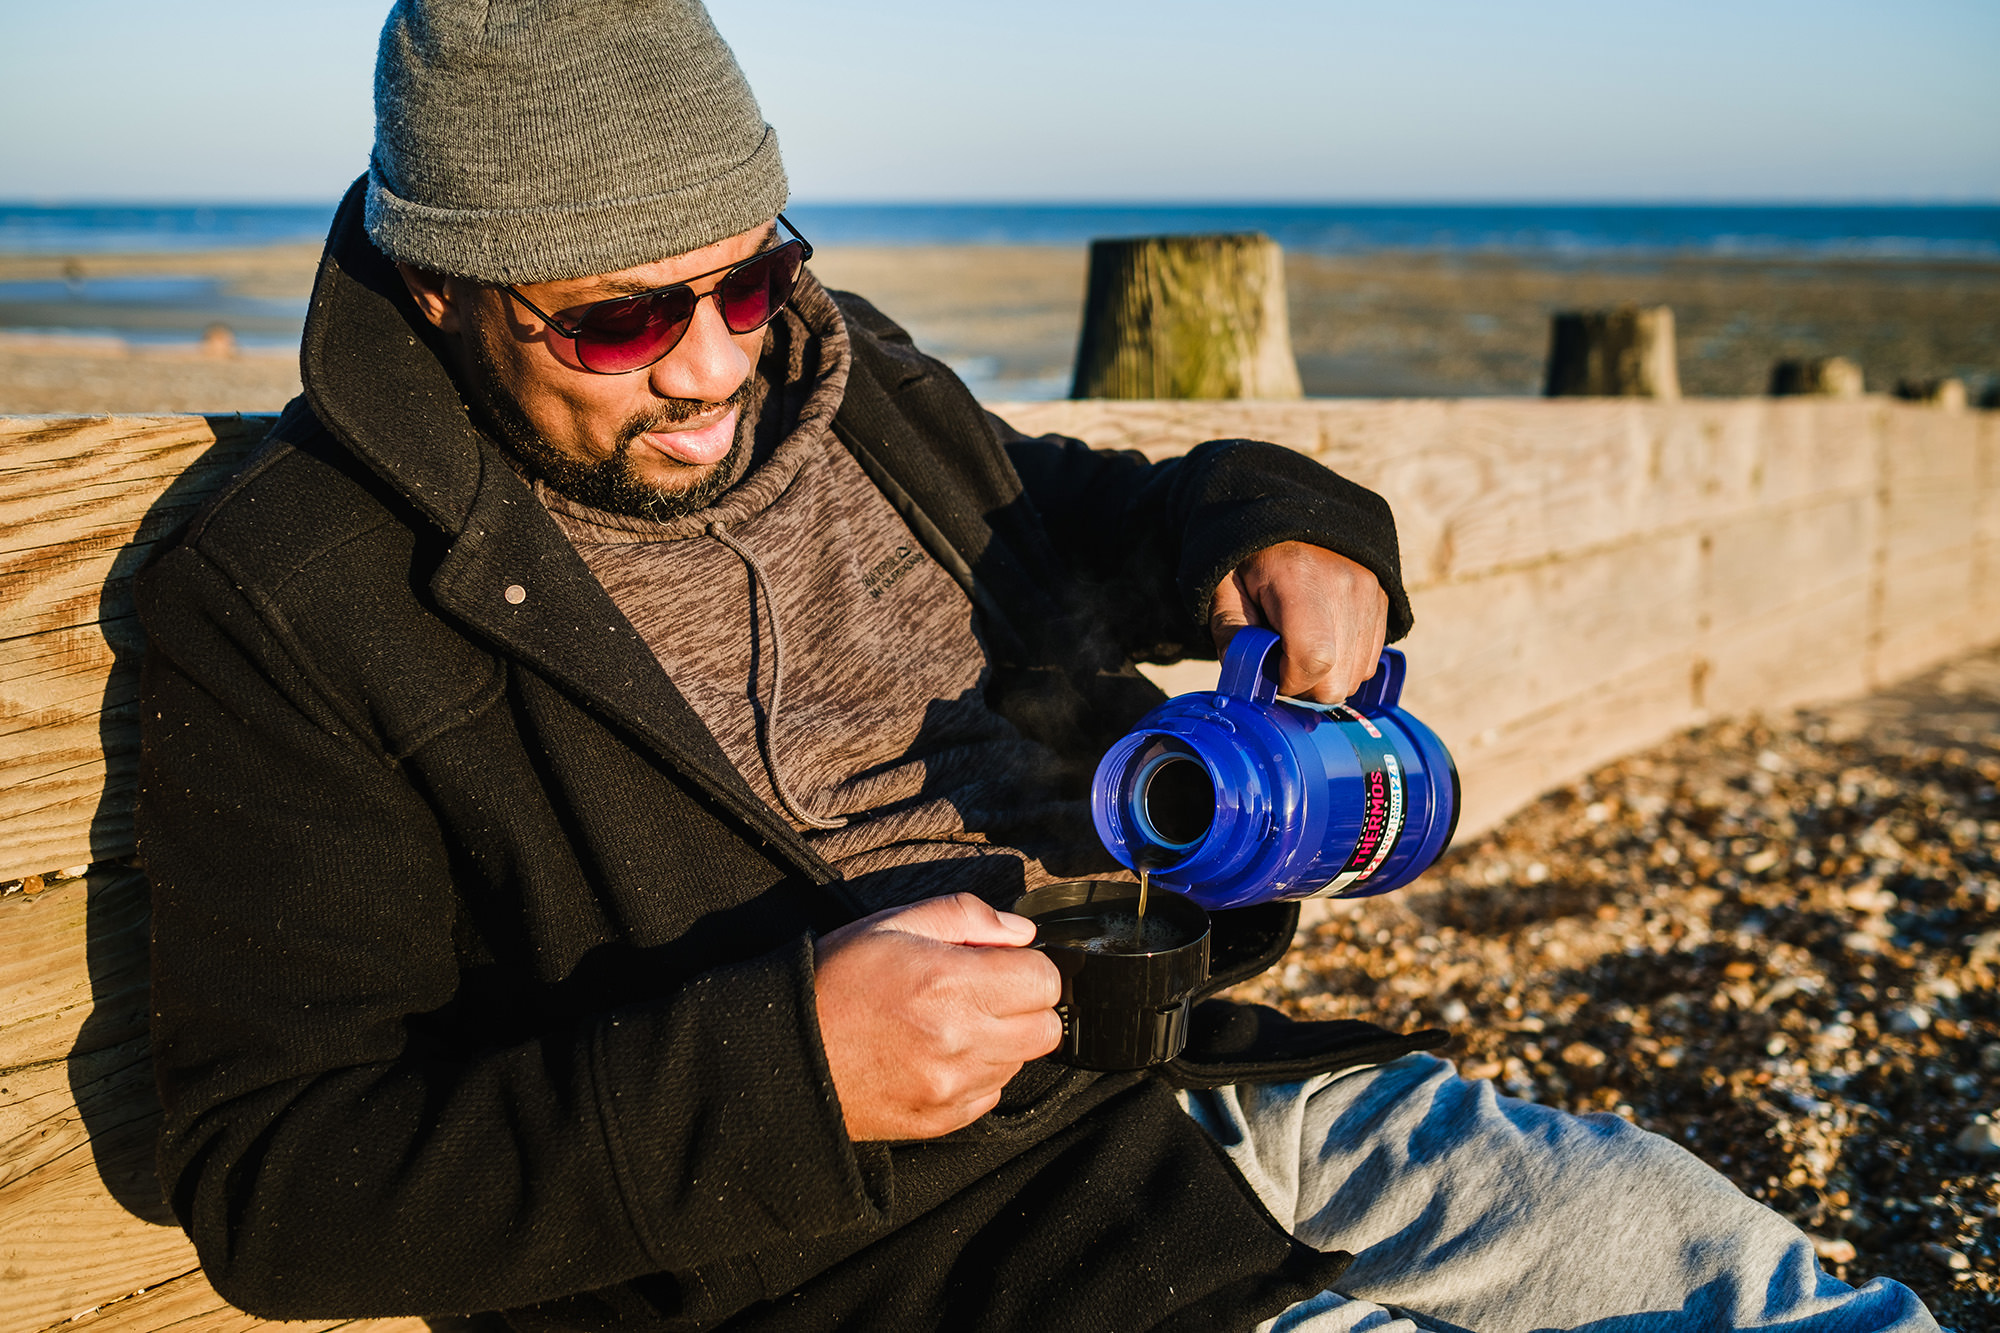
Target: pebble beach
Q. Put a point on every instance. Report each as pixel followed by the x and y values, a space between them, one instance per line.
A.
pixel 1775 940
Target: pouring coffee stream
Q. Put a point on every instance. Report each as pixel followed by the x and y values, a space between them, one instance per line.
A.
pixel 1147 859
pixel 1233 797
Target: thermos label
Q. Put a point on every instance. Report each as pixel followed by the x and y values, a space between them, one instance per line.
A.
pixel 1382 798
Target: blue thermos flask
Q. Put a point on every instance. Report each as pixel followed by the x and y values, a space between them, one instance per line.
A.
pixel 1236 797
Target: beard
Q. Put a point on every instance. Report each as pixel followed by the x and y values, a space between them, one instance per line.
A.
pixel 611 483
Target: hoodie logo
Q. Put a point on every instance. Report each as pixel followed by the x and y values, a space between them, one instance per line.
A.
pixel 887 572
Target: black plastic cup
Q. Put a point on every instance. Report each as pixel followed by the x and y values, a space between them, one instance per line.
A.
pixel 1124 1001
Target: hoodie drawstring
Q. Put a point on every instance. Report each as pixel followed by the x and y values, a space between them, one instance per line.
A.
pixel 770 723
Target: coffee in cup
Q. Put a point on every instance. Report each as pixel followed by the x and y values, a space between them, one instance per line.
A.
pixel 1126 980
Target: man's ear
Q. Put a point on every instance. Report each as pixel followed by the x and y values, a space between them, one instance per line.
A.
pixel 439 297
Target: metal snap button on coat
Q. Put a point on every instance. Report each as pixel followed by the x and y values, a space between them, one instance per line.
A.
pixel 515 594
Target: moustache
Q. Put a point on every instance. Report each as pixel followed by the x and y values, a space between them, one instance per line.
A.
pixel 673 411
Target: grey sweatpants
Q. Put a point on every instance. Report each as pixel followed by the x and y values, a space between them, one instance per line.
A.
pixel 1468 1210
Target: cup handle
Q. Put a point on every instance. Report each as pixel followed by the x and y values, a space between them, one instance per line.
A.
pixel 1250 665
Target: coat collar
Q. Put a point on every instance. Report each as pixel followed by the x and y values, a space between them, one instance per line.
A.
pixel 374 376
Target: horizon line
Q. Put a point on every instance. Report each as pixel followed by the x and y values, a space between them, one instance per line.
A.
pixel 1383 201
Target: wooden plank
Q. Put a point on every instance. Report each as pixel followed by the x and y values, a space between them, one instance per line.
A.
pixel 1504 767
pixel 183 1303
pixel 82 500
pixel 1929 601
pixel 72 803
pixel 1163 428
pixel 1929 610
pixel 100 1107
pixel 187 1304
pixel 1183 677
pixel 1479 486
pixel 1986 521
pixel 1813 647
pixel 1490 484
pixel 1764 563
pixel 73 968
pixel 1814 447
pixel 70 1244
pixel 1583 588
pixel 87 1242
pixel 1931 479
pixel 58 674
pixel 1518 643
pixel 83 1221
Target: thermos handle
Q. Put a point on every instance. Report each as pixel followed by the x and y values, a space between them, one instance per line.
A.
pixel 1250 671
pixel 1250 665
pixel 1384 689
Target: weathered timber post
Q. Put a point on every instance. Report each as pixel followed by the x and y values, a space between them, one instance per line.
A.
pixel 1622 353
pixel 1186 317
pixel 1821 376
pixel 1947 392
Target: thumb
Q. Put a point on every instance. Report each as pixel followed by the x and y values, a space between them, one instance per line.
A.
pixel 1231 610
pixel 961 918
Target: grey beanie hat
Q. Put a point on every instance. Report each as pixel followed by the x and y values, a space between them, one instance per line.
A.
pixel 536 140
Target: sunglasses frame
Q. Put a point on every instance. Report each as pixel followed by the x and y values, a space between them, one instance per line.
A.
pixel 573 333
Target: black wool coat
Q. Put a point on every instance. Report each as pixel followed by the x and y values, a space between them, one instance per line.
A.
pixel 483 982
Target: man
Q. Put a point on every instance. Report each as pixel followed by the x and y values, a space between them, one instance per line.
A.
pixel 587 748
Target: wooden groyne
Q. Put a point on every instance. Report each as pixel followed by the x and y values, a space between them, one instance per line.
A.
pixel 1591 575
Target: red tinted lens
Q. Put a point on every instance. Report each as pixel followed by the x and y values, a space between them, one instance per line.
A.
pixel 617 336
pixel 757 289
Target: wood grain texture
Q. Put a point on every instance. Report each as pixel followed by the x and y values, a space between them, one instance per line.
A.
pixel 73 965
pixel 1186 317
pixel 1628 352
pixel 86 1240
pixel 81 1217
pixel 1732 554
pixel 1480 487
pixel 187 1304
pixel 82 501
pixel 70 1244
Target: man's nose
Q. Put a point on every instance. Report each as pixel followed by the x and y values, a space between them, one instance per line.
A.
pixel 706 365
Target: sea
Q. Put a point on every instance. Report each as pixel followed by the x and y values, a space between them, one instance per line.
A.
pixel 167 306
pixel 1922 231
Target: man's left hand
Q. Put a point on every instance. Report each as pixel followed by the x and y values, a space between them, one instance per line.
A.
pixel 1330 614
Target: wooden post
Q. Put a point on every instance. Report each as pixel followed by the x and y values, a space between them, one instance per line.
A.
pixel 1947 393
pixel 1186 317
pixel 1821 376
pixel 1622 353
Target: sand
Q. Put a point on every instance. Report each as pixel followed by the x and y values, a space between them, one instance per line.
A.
pixel 76 375
pixel 1006 318
pixel 1425 324
pixel 97 374
pixel 1419 325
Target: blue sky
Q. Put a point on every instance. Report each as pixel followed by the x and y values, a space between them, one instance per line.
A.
pixel 1106 99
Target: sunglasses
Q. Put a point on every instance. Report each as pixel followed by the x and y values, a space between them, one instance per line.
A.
pixel 632 332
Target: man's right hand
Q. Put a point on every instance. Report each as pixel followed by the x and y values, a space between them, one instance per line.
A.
pixel 927 1010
